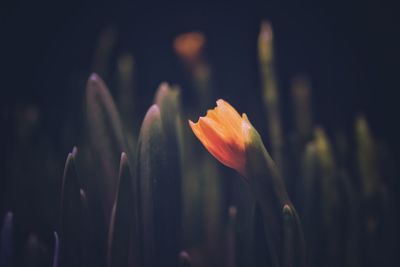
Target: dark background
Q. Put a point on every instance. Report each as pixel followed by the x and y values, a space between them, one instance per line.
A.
pixel 349 51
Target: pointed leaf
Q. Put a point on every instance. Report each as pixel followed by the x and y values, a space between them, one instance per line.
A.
pixel 293 239
pixel 184 259
pixel 159 194
pixel 85 228
pixel 56 250
pixel 71 216
pixel 123 235
pixel 367 158
pixel 168 101
pixel 106 138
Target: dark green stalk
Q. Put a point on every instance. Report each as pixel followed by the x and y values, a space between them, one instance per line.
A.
pixel 270 91
pixel 367 156
pixel 321 206
pixel 301 96
pixel 351 211
pixel 126 74
pixel 271 195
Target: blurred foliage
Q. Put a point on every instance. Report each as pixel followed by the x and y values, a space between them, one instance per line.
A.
pixel 148 195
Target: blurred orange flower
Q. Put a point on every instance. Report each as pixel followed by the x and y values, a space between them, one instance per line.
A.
pixel 189 45
pixel 224 133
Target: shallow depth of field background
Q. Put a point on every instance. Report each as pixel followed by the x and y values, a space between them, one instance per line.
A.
pixel 348 51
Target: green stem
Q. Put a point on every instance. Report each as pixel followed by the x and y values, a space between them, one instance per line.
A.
pixel 269 189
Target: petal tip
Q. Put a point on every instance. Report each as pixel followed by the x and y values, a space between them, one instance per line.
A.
pixel 220 102
pixel 191 123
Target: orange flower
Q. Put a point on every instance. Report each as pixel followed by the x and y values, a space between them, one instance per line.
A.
pixel 189 45
pixel 224 133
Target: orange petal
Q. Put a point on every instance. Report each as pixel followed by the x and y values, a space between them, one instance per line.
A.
pixel 224 133
pixel 212 114
pixel 229 111
pixel 203 138
pixel 231 118
pixel 218 144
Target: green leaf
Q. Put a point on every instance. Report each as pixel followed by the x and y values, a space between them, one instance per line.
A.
pixel 293 239
pixel 367 158
pixel 301 98
pixel 270 192
pixel 123 246
pixel 159 191
pixel 271 98
pixel 106 138
pixel 71 234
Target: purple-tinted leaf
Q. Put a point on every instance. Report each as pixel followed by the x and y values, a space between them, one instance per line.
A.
pixel 106 138
pixel 184 259
pixel 56 250
pixel 71 216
